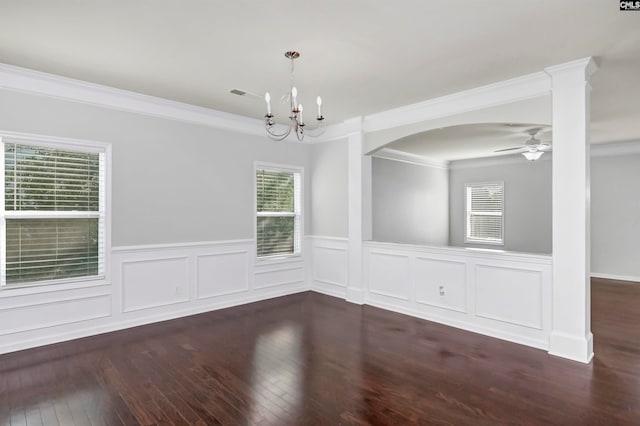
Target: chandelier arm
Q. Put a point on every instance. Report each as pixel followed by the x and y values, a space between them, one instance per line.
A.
pixel 274 135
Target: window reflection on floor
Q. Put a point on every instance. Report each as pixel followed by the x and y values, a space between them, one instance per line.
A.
pixel 74 407
pixel 277 382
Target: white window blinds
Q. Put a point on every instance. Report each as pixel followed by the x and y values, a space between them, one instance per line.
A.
pixel 484 221
pixel 278 211
pixel 53 215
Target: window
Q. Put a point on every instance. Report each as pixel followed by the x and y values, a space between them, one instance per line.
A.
pixel 52 220
pixel 485 206
pixel 278 210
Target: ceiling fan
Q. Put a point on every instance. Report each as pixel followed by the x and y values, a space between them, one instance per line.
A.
pixel 532 149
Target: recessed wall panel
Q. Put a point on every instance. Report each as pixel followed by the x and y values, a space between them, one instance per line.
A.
pixel 152 283
pixel 54 313
pixel 389 275
pixel 222 273
pixel 441 283
pixel 272 278
pixel 330 265
pixel 509 294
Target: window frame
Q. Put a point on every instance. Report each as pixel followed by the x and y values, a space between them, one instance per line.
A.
pixel 468 214
pixel 298 211
pixel 61 144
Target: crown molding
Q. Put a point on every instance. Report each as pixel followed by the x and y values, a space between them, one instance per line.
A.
pixel 333 132
pixel 405 157
pixel 501 160
pixel 616 148
pixel 596 150
pixel 587 65
pixel 39 83
pixel 504 92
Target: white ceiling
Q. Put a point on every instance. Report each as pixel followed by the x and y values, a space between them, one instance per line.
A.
pixel 361 56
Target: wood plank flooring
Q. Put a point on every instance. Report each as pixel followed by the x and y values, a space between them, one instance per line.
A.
pixel 310 359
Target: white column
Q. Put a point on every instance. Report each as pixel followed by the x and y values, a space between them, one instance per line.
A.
pixel 571 331
pixel 359 191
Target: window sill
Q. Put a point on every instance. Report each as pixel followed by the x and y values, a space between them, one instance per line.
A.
pixel 275 260
pixel 485 243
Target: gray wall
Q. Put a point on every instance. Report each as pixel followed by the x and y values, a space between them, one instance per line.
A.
pixel 527 215
pixel 172 181
pixel 615 215
pixel 410 203
pixel 329 195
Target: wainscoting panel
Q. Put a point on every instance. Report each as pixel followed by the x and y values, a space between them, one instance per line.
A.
pixel 58 311
pixel 152 283
pixel 219 274
pixel 389 275
pixel 441 283
pixel 329 265
pixel 146 284
pixel 509 294
pixel 500 294
pixel 289 274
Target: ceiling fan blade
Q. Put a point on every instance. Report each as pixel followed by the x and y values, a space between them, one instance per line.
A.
pixel 544 147
pixel 508 149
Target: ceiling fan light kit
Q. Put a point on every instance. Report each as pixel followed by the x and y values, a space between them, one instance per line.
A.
pixel 296 122
pixel 533 147
pixel 532 155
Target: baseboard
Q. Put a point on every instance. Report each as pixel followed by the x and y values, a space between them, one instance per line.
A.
pixel 615 277
pixel 576 348
pixel 474 328
pixel 328 289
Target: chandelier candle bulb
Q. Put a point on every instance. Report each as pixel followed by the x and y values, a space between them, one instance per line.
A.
pixel 267 99
pixel 294 96
pixel 319 102
pixel 300 116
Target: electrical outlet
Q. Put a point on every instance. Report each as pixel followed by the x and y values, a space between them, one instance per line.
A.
pixel 441 290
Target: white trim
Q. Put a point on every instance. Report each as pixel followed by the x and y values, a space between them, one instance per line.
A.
pixel 35 82
pixel 323 237
pixel 170 246
pixel 616 277
pixel 613 149
pixel 587 65
pixel 502 160
pixel 463 325
pixel 406 157
pixel 597 150
pixel 332 133
pixel 504 92
pixel 472 252
pixel 92 330
pixel 82 145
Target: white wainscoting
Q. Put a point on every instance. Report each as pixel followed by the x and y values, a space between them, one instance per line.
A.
pixel 500 294
pixel 148 284
pixel 505 295
pixel 328 265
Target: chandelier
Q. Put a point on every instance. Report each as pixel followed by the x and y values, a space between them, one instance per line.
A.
pixel 296 123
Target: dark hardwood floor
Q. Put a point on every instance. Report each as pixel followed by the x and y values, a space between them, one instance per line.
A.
pixel 310 359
